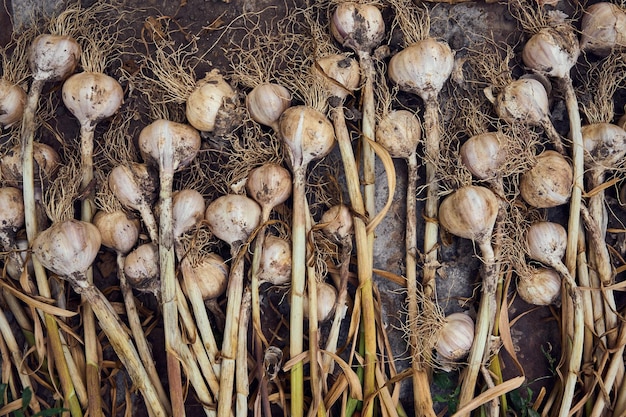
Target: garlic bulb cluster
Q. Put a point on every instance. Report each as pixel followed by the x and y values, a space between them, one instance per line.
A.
pixel 422 68
pixel 92 97
pixel 340 74
pixel 275 265
pixel 603 29
pixel 539 286
pixel 46 162
pixel 266 102
pixel 455 338
pixel 552 51
pixel 358 26
pixel 470 212
pixel 208 275
pixel 549 182
pixel 326 298
pixel 12 101
pixel 68 248
pixel 117 230
pixel 53 57
pixel 141 268
pixel 212 105
pixel 485 154
pixel 605 144
pixel 399 132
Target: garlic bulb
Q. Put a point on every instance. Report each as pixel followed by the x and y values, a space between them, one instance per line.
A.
pixel 337 223
pixel 470 212
pixel 68 248
pixel 141 268
pixel 455 337
pixel 14 264
pixel 12 101
pixel 485 154
pixel 53 57
pixel 187 210
pixel 523 101
pixel 134 185
pixel 92 97
pixel 46 162
pixel 266 102
pixel 552 51
pixel 169 145
pixel 603 28
pixel 208 275
pixel 326 298
pixel 546 242
pixel 232 218
pixel 269 185
pixel 358 26
pixel 211 106
pixel 275 266
pixel 540 286
pixel 605 144
pixel 549 182
pixel 308 134
pixel 399 132
pixel 117 230
pixel 422 68
pixel 11 212
pixel 340 74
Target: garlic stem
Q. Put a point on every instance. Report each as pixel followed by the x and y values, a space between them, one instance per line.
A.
pixel 242 383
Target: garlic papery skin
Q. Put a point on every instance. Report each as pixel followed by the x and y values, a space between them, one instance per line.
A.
pixel 117 230
pixel 455 337
pixel 326 298
pixel 141 268
pixel 340 73
pixel 92 97
pixel 169 145
pixel 485 154
pixel 12 101
pixel 552 51
pixel 358 26
pixel 422 68
pixel 275 266
pixel 208 275
pixel 134 185
pixel 269 185
pixel 549 182
pixel 232 218
pixel 187 210
pixel 307 133
pixel 540 286
pixel 605 145
pixel 211 105
pixel 470 212
pixel 53 57
pixel 46 162
pixel 524 100
pixel 68 248
pixel 399 132
pixel 266 102
pixel 603 29
pixel 11 211
pixel 15 265
pixel 336 223
pixel 546 242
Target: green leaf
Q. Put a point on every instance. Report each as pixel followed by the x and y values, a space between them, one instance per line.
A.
pixel 27 395
pixel 517 401
pixel 51 412
pixel 533 413
pixel 443 381
pixel 3 390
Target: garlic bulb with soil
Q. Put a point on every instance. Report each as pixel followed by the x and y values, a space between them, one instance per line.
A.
pixel 187 210
pixel 11 215
pixel 485 154
pixel 141 268
pixel 399 132
pixel 605 145
pixel 118 230
pixel 275 266
pixel 212 105
pixel 552 51
pixel 340 74
pixel 168 145
pixel 603 29
pixel 266 102
pixel 549 182
pixel 358 26
pixel 53 57
pixel 269 185
pixel 92 97
pixel 326 298
pixel 546 242
pixel 307 134
pixel 46 162
pixel 455 338
pixel 12 102
pixel 539 286
pixel 208 276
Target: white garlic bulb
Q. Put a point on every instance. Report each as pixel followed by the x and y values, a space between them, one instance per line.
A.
pixel 141 268
pixel 340 74
pixel 46 162
pixel 169 145
pixel 539 286
pixel 358 26
pixel 605 144
pixel 11 211
pixel 92 97
pixel 232 218
pixel 603 28
pixel 549 182
pixel 546 242
pixel 524 100
pixel 13 269
pixel 68 248
pixel 12 101
pixel 552 51
pixel 118 231
pixel 269 185
pixel 187 210
pixel 53 57
pixel 422 68
pixel 337 223
pixel 211 106
pixel 399 132
pixel 207 275
pixel 455 337
pixel 266 102
pixel 470 212
pixel 326 298
pixel 275 266
pixel 485 154
pixel 134 185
